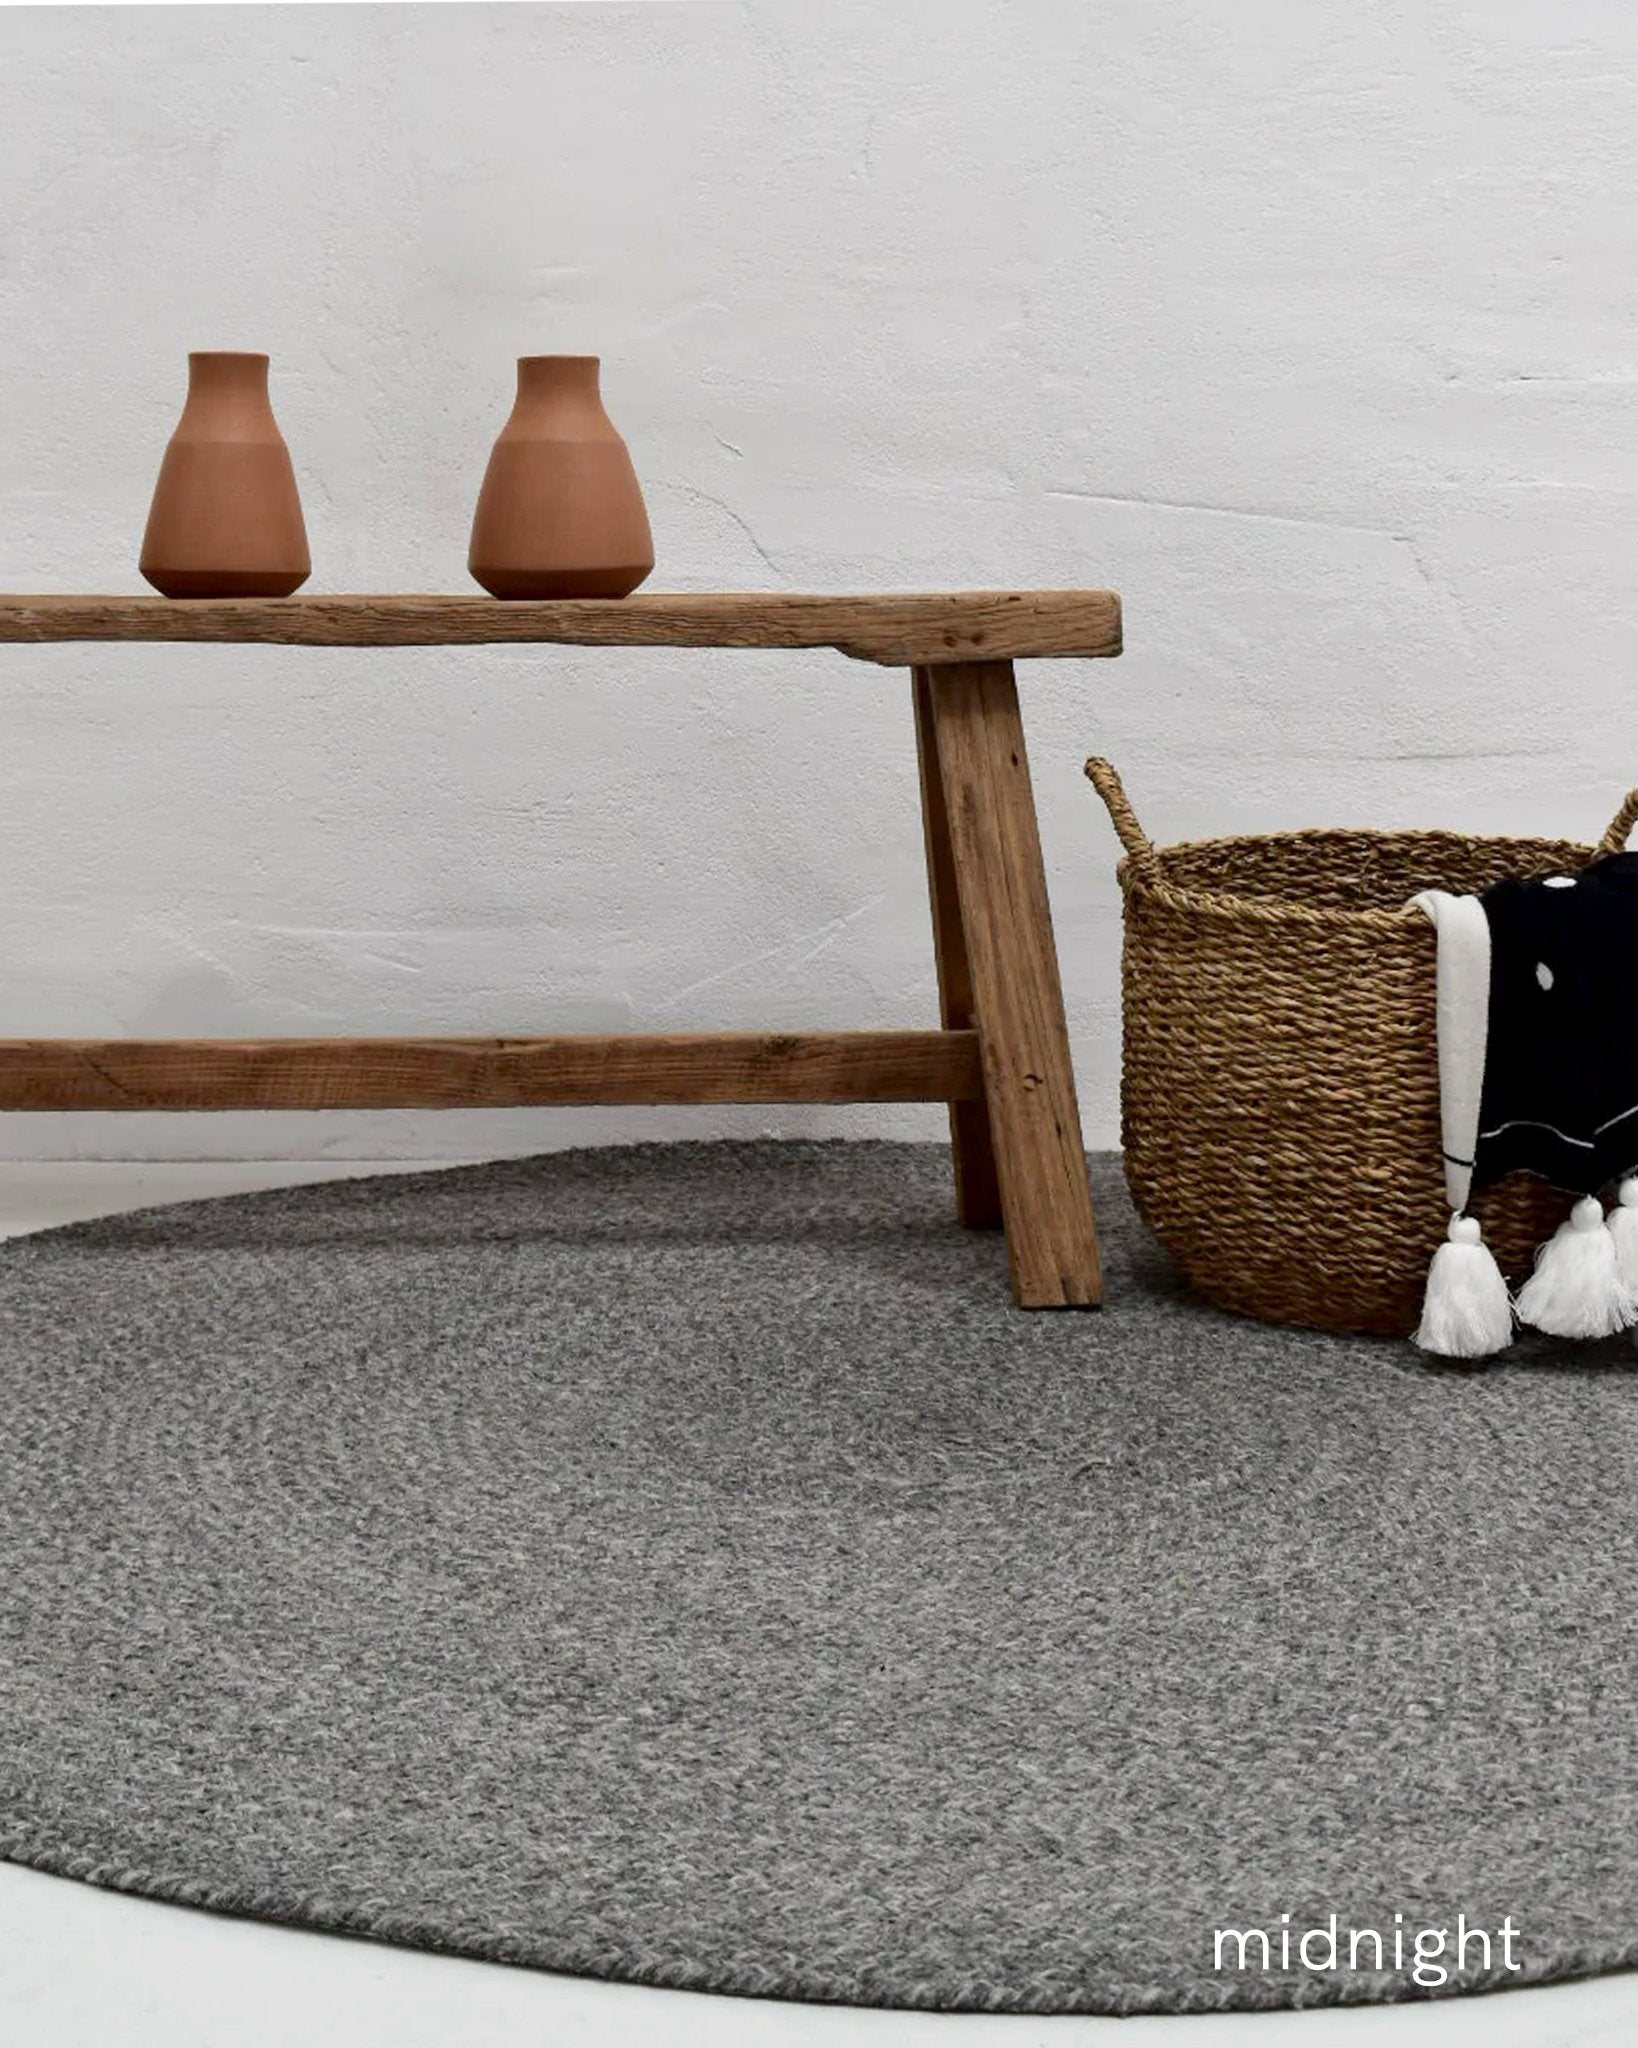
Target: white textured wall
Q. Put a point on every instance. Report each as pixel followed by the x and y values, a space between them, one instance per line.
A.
pixel 1314 329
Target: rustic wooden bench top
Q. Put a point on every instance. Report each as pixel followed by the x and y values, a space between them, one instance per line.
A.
pixel 899 630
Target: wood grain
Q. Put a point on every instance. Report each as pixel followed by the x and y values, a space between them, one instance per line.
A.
pixel 897 630
pixel 486 1073
pixel 1029 1080
pixel 977 1187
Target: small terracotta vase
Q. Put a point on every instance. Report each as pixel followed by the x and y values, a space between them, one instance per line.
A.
pixel 560 513
pixel 226 517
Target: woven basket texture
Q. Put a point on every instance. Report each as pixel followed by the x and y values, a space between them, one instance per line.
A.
pixel 1280 1083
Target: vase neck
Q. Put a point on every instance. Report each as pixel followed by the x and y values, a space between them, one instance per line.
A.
pixel 230 388
pixel 563 388
pixel 559 374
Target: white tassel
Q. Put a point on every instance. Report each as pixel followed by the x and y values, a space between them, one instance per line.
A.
pixel 1575 1290
pixel 1465 1312
pixel 1623 1227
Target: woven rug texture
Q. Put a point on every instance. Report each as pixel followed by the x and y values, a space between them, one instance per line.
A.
pixel 682 1564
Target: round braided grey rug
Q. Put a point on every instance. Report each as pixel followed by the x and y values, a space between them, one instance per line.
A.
pixel 683 1564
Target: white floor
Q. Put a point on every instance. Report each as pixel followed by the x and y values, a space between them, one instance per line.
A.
pixel 87 1969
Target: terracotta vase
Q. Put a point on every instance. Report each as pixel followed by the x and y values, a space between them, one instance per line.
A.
pixel 226 517
pixel 560 513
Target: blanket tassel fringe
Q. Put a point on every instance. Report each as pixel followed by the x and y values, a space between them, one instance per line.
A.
pixel 1577 1289
pixel 1466 1312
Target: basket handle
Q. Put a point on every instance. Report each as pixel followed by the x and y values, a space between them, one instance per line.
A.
pixel 1101 774
pixel 1621 824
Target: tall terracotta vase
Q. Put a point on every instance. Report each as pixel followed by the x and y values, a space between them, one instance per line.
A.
pixel 560 513
pixel 226 517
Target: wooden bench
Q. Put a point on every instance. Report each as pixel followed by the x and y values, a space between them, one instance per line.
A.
pixel 1001 1059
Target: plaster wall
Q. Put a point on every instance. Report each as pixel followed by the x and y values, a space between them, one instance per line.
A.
pixel 1311 329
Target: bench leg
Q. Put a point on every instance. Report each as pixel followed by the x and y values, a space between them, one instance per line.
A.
pixel 977 1188
pixel 973 750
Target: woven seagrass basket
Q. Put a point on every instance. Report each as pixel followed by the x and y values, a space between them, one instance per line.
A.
pixel 1280 1082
